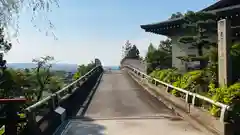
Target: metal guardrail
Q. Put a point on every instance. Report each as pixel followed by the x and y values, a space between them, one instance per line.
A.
pixel 224 107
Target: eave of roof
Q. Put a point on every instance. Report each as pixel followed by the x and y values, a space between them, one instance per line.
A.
pixel 221 4
pixel 175 20
pixel 214 9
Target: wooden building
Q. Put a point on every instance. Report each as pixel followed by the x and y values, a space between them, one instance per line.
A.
pixel 173 28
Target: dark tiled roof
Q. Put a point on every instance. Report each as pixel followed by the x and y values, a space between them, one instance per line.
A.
pixel 170 21
pixel 222 5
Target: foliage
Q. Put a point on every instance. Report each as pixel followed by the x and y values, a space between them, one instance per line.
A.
pixel 10 11
pixel 159 58
pixel 224 95
pixel 83 69
pixel 131 51
pixel 166 46
pixel 201 26
pixel 166 75
pixel 55 83
pixel 2 130
pixel 43 73
pixel 4 44
pixel 176 15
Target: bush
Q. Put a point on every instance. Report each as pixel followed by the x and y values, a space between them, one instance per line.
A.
pixel 226 94
pixel 194 81
pixel 166 75
pixel 189 81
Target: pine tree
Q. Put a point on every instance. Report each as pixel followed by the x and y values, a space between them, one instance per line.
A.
pixel 200 25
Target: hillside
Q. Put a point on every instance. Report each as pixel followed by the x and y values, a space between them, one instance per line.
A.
pixel 60 66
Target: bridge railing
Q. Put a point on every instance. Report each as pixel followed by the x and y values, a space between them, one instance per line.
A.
pixel 37 113
pixel 188 95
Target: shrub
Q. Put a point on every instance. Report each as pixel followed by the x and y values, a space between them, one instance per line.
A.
pixel 224 95
pixel 194 81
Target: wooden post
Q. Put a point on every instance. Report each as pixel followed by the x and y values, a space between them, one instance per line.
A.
pixel 224 61
pixel 12 107
pixel 11 119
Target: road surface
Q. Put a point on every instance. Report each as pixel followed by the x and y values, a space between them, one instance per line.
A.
pixel 121 107
pixel 138 64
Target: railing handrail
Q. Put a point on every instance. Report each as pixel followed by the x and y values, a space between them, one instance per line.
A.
pixel 46 99
pixel 223 107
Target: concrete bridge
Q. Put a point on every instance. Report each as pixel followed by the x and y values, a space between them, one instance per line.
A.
pixel 124 102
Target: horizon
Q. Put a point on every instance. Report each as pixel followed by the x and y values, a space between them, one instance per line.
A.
pixel 62 64
pixel 99 29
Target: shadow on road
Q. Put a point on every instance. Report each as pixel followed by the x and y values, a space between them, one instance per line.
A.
pixel 85 126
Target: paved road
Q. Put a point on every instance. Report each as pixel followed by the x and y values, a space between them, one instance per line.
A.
pixel 140 65
pixel 119 96
pixel 121 107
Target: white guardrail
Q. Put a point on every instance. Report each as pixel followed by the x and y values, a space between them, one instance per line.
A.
pixel 224 107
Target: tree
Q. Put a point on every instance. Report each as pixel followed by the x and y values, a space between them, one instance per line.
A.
pixel 151 48
pixel 157 58
pixel 55 83
pixel 133 52
pixel 201 25
pixel 126 48
pixel 130 51
pixel 83 69
pixel 10 11
pixel 43 73
pixel 166 45
pixel 176 15
pixel 6 83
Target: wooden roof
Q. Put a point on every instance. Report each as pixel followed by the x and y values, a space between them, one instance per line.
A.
pixel 218 7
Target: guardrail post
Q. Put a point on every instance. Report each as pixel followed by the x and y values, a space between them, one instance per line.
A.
pixel 223 114
pixel 53 102
pixel 187 101
pixel 78 84
pixel 187 97
pixel 31 123
pixel 70 89
pixel 167 89
pixel 193 99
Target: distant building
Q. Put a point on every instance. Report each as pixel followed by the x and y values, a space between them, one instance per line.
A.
pixel 173 29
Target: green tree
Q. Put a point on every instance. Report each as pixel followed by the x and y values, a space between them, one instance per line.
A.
pixel 176 15
pixel 157 58
pixel 166 45
pixel 133 53
pixel 201 26
pixel 43 73
pixel 83 69
pixel 126 48
pixel 151 48
pixel 11 9
pixel 55 83
pixel 6 83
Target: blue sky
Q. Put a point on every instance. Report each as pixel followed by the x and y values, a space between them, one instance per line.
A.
pixel 89 29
